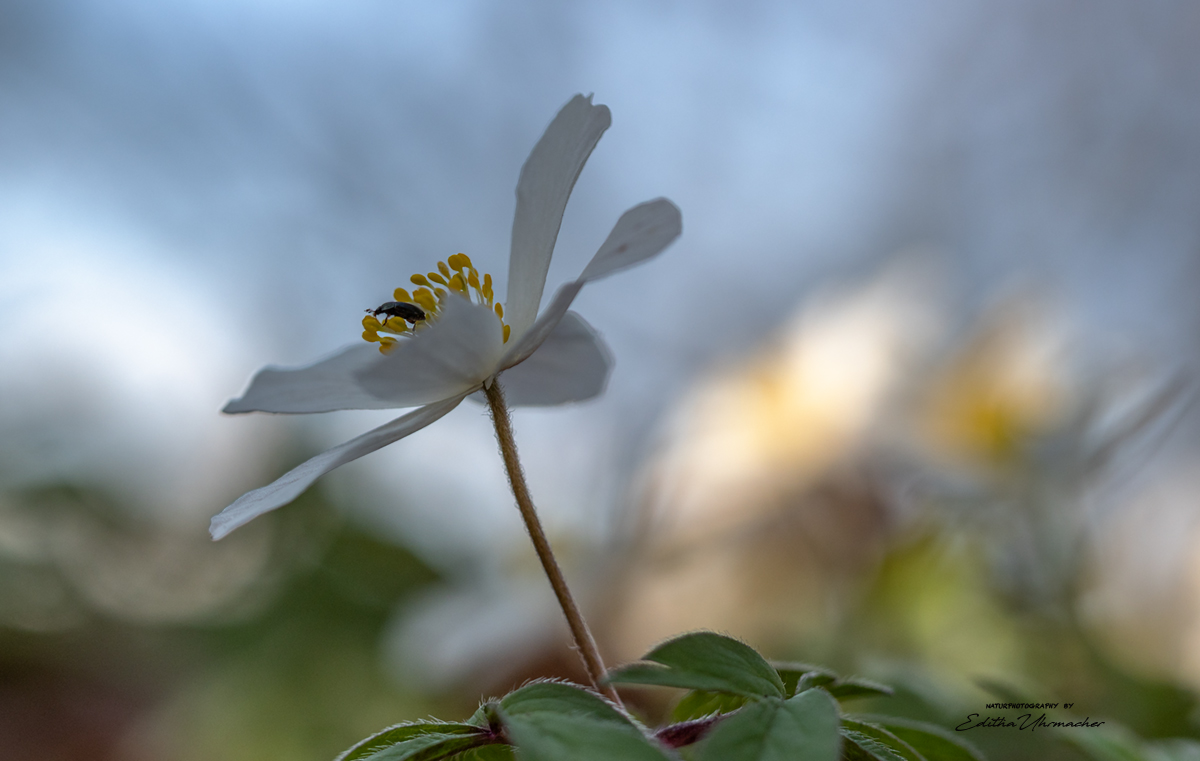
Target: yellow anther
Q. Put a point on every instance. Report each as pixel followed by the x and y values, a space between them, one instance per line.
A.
pixel 457 273
pixel 424 299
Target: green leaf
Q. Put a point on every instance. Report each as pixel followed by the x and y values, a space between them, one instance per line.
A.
pixel 1116 744
pixel 814 679
pixel 563 737
pixel 880 735
pixel 1173 750
pixel 483 714
pixel 704 661
pixel 855 687
pixel 930 740
pixel 559 698
pixel 857 746
pixel 792 671
pixel 700 703
pixel 495 752
pixel 805 726
pixel 554 721
pixel 798 677
pixel 420 741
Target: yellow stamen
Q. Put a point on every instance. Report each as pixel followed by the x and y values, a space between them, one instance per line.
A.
pixel 458 274
pixel 424 299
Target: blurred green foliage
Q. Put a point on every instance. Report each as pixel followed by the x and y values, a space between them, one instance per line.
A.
pixel 288 668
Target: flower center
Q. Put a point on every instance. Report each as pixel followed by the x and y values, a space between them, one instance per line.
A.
pixel 422 306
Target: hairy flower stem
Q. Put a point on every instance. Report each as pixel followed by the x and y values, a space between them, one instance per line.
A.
pixel 584 642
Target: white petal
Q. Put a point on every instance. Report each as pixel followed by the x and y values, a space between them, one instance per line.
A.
pixel 571 365
pixel 546 181
pixel 547 321
pixel 453 355
pixel 329 384
pixel 639 234
pixel 293 483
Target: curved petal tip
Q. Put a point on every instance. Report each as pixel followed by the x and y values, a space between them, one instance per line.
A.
pixel 641 233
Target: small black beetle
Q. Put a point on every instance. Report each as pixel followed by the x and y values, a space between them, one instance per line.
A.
pixel 402 309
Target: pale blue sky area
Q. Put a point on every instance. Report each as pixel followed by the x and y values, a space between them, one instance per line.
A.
pixel 190 190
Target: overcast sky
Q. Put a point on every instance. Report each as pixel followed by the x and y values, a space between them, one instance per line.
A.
pixel 189 190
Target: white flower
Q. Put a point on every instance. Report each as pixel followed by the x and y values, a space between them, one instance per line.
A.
pixel 551 358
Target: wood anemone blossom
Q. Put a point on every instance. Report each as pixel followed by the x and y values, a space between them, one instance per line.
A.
pixel 465 341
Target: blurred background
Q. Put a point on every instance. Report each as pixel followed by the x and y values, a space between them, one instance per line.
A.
pixel 910 397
